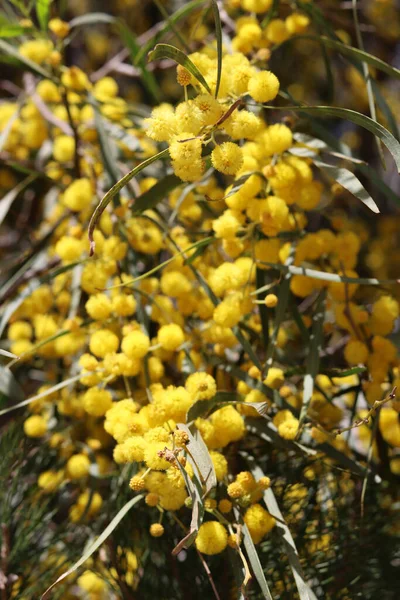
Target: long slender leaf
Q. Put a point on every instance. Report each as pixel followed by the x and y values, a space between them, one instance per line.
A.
pixel 324 276
pixel 130 42
pixel 350 182
pixel 181 13
pixel 156 193
pixel 313 357
pixel 7 200
pixel 10 30
pixel 54 388
pixel 195 492
pixel 200 459
pixel 203 408
pixel 305 592
pixel 117 188
pixel 168 51
pixel 218 35
pixel 97 543
pixel 9 386
pixel 42 12
pixel 22 60
pixel 91 19
pixel 355 117
pixel 255 563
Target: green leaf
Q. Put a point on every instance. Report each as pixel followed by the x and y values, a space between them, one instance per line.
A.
pixel 324 276
pixel 203 408
pixel 168 51
pixel 195 492
pixel 350 182
pixel 7 200
pixel 42 12
pixel 355 117
pixel 117 188
pixel 156 193
pixel 313 356
pixel 344 372
pixel 130 42
pixel 271 14
pixel 261 275
pixel 22 60
pixel 181 13
pixel 108 151
pixel 200 459
pixel 202 245
pixel 54 388
pixel 255 563
pixel 305 592
pixel 9 30
pixel 218 35
pixel 283 299
pixel 356 53
pixel 9 386
pixel 91 19
pixel 97 543
pixel 247 347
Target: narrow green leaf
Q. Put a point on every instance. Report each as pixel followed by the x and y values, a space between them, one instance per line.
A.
pixel 263 310
pixel 97 543
pixel 156 193
pixel 324 276
pixel 117 188
pixel 313 356
pixel 91 19
pixel 9 386
pixel 168 51
pixel 271 14
pixel 181 13
pixel 51 390
pixel 204 408
pixel 10 30
pixel 246 345
pixel 42 12
pixel 108 151
pixel 255 563
pixel 200 458
pixel 356 53
pixel 344 372
pixel 283 300
pixel 218 35
pixel 195 492
pixel 350 182
pixel 7 200
pixel 305 592
pixel 129 39
pixel 26 62
pixel 355 117
pixel 202 245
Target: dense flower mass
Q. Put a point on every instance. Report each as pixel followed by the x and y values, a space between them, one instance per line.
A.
pixel 235 315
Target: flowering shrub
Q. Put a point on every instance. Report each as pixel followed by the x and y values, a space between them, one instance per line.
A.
pixel 199 313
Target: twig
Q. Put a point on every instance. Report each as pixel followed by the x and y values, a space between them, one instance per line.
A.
pixel 365 421
pixel 209 575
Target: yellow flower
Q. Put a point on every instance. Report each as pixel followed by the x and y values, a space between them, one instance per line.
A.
pixel 212 538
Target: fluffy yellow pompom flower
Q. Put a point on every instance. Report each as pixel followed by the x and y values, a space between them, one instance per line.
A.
pixel 97 402
pixel 259 522
pixel 256 6
pixel 59 28
pixel 19 330
pixel 78 466
pixel 99 306
pixel 212 538
pixel 35 426
pixel 38 51
pixel 103 342
pixel 220 465
pixel 91 583
pixel 356 352
pixel 227 158
pixel 185 150
pixel 170 337
pixel 78 195
pixel 271 300
pixel 64 148
pixel 136 344
pixel 48 481
pixel 201 386
pixel 263 86
pixel 288 429
pixel 156 530
pixel 275 378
